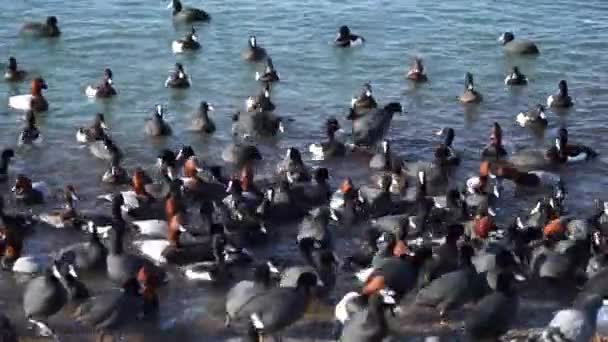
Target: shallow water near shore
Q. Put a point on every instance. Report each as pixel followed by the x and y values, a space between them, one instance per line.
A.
pixel 134 37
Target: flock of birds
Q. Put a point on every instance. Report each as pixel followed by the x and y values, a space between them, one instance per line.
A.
pixel 427 243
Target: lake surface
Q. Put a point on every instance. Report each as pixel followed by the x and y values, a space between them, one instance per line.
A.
pixel 133 38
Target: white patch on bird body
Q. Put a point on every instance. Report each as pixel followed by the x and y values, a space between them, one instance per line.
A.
pixel 363 275
pixel 317 151
pixel 72 271
pixel 341 312
pixel 177 46
pixel 153 249
pixel 356 42
pixel 257 321
pixel 20 102
pixel 55 271
pixel 519 223
pixel 272 268
pixel 91 91
pixel 522 119
pixel 578 158
pixel 196 275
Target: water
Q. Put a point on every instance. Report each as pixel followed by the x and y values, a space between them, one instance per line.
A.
pixel 134 37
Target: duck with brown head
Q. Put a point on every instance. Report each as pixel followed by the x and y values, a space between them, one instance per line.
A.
pixel 34 101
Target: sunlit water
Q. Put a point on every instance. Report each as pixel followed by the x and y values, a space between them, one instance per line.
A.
pixel 134 37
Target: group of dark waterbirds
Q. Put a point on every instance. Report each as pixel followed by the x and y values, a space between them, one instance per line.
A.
pixel 427 243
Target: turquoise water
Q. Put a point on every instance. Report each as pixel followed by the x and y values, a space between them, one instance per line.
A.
pixel 134 37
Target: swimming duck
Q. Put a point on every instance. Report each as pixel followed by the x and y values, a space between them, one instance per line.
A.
pixel 270 74
pixel 454 289
pixel 105 149
pixel 5 159
pixel 262 101
pixel 316 193
pixel 493 314
pixel 43 297
pixel 274 310
pixel 530 179
pixel 30 133
pixel 279 205
pixel 314 231
pixel 46 30
pixel 384 159
pixel 494 150
pixel 13 73
pixel 122 266
pixel 202 122
pixel 105 89
pixel 67 216
pixel 373 126
pixel 257 124
pixel 470 95
pixel 451 157
pixel 174 249
pixel 97 131
pixel 520 47
pixel 399 274
pixel 332 147
pixel 535 117
pixel 416 71
pixel 346 39
pixel 241 154
pixel 253 52
pixel 241 293
pixel 187 14
pixel 292 167
pixel 365 102
pixel 86 256
pixel 561 99
pixel 516 78
pixel 363 318
pixel 215 270
pixel 34 101
pixel 189 43
pixel 136 300
pixel 577 323
pixel 178 78
pixel 28 192
pixel 156 126
pixel 562 152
